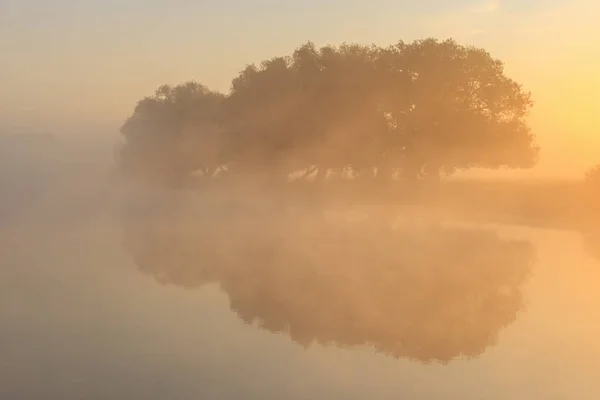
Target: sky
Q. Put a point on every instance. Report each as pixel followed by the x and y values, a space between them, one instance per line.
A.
pixel 79 66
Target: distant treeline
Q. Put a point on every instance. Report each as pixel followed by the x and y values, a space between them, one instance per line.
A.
pixel 411 111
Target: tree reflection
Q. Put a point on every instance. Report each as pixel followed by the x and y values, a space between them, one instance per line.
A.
pixel 430 294
pixel 591 239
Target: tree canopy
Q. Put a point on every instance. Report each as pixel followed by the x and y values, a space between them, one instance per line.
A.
pixel 592 177
pixel 412 110
pixel 173 133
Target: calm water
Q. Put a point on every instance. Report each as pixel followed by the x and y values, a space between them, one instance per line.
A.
pixel 89 311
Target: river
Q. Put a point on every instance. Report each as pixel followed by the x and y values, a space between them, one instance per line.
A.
pixel 83 317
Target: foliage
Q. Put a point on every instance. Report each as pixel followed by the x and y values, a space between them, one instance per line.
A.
pixel 174 132
pixel 592 177
pixel 413 110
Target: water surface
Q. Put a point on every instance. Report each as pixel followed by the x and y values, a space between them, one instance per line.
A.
pixel 83 316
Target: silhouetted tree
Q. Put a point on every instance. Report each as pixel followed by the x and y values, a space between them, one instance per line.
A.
pixel 415 110
pixel 463 111
pixel 592 177
pixel 590 228
pixel 173 133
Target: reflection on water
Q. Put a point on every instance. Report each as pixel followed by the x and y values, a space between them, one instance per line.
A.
pixel 592 242
pixel 430 295
pixel 79 321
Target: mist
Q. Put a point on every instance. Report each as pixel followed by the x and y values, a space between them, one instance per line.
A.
pixel 308 233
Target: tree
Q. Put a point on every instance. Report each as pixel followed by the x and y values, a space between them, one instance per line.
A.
pixel 423 109
pixel 590 227
pixel 415 110
pixel 258 115
pixel 316 108
pixel 173 133
pixel 592 177
pixel 462 111
pixel 592 199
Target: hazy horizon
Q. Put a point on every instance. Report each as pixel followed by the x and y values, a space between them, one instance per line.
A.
pixel 308 233
pixel 80 68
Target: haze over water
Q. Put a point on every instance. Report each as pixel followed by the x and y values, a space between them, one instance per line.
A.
pixel 108 292
pixel 178 223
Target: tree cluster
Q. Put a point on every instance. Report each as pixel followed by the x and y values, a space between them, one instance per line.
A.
pixel 409 111
pixel 592 177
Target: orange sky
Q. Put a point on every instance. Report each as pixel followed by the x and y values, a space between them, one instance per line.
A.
pixel 80 67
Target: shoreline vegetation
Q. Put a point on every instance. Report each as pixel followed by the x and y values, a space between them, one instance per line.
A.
pixel 565 205
pixel 412 112
pixel 361 126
